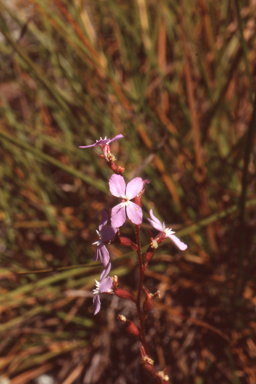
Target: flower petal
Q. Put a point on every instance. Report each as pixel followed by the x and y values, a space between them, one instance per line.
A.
pixel 97 254
pixel 134 187
pixel 108 233
pixel 105 285
pixel 118 215
pixel 96 303
pixel 104 254
pixel 178 243
pixel 117 185
pixel 134 213
pixel 104 220
pixel 105 272
pixel 155 222
pixel 89 146
pixel 118 137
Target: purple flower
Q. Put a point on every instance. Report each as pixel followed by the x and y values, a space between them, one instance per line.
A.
pixel 118 188
pixel 104 144
pixel 104 235
pixel 168 232
pixel 104 285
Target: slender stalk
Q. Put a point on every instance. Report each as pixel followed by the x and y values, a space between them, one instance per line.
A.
pixel 141 269
pixel 245 50
pixel 242 203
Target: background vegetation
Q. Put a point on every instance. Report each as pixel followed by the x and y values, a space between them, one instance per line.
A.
pixel 177 79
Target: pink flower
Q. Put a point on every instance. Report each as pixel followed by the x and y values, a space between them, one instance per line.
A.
pixel 104 144
pixel 104 235
pixel 119 189
pixel 168 232
pixel 104 285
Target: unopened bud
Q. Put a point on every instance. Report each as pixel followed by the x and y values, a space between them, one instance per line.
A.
pixel 127 243
pixel 123 294
pixel 149 254
pixel 116 168
pixel 130 327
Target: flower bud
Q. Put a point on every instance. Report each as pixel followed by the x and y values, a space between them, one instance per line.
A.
pixel 149 254
pixel 120 292
pixel 110 160
pixel 127 243
pixel 130 327
pixel 116 168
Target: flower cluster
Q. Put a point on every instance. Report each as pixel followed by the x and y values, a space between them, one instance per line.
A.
pixel 125 192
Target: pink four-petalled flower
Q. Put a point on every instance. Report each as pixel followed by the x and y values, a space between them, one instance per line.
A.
pixel 104 285
pixel 105 234
pixel 119 189
pixel 168 232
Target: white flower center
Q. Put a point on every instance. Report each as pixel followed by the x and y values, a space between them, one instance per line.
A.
pixel 168 231
pixel 125 203
pixel 98 242
pixel 97 289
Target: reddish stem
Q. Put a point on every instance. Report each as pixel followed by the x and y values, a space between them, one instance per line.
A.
pixel 141 269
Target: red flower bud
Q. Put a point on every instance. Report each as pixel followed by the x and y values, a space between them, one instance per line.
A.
pixel 127 243
pixel 116 168
pixel 130 327
pixel 110 160
pixel 149 254
pixel 123 294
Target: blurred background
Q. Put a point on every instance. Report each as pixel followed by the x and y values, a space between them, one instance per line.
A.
pixel 177 79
